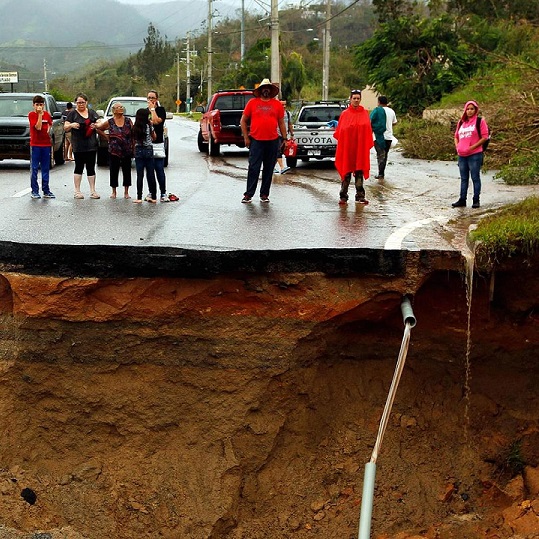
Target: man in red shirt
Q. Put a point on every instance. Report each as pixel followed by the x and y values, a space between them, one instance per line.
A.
pixel 262 138
pixel 354 143
pixel 40 147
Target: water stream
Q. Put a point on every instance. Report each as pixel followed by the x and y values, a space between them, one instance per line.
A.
pixel 469 260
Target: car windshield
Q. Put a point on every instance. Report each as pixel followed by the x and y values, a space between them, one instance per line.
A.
pixel 320 114
pixel 130 107
pixel 15 107
pixel 233 102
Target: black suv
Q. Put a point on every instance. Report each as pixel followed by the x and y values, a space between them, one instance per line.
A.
pixel 15 128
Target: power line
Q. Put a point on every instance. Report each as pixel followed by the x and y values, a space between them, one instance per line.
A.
pixel 168 41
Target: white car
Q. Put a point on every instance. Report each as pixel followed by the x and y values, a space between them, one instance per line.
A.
pixel 131 105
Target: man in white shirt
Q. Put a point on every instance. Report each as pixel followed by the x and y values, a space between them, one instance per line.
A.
pixel 381 153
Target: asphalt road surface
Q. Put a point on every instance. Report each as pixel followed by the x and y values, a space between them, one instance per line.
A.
pixel 409 210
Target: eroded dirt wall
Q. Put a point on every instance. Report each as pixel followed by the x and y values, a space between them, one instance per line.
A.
pixel 247 407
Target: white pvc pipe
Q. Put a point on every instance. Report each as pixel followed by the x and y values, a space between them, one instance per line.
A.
pixel 367 500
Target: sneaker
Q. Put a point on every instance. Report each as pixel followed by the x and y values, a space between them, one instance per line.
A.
pixel 459 203
pixel 246 200
pixel 50 194
pixel 275 171
pixel 379 177
pixel 476 204
pixel 35 196
pixel 164 198
pixel 148 198
pixel 264 198
pixel 285 170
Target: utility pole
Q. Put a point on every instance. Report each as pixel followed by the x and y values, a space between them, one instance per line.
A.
pixel 177 82
pixel 45 83
pixel 275 57
pixel 188 75
pixel 242 31
pixel 326 45
pixel 210 52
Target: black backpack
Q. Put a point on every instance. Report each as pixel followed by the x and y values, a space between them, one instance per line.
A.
pixel 478 127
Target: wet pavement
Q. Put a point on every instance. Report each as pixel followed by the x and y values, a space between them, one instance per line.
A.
pixel 209 231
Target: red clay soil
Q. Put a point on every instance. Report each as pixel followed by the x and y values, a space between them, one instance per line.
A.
pixel 247 406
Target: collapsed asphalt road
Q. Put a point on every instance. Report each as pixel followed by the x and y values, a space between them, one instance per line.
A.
pixel 208 230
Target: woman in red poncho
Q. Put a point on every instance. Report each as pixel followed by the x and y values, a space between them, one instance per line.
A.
pixel 354 143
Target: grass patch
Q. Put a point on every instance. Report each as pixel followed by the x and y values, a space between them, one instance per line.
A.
pixel 195 116
pixel 523 169
pixel 493 86
pixel 514 462
pixel 512 231
pixel 423 139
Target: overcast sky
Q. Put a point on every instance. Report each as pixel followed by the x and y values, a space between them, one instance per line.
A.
pixel 202 4
pixel 250 5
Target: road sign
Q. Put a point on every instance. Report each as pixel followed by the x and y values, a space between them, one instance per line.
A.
pixel 178 101
pixel 9 77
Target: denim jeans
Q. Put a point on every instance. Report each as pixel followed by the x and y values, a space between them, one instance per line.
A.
pixel 262 153
pixel 159 165
pixel 40 156
pixel 470 166
pixel 144 161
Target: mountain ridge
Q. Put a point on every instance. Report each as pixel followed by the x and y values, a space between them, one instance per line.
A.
pixel 35 31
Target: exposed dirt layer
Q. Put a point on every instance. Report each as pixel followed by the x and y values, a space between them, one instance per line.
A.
pixel 247 407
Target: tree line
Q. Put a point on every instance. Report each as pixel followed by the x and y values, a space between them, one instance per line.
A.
pixel 415 52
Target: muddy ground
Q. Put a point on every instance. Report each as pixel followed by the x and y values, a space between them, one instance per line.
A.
pixel 247 406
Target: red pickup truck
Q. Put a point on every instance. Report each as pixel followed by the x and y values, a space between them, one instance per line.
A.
pixel 220 122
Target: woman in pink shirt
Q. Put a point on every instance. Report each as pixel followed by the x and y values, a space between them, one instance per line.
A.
pixel 469 139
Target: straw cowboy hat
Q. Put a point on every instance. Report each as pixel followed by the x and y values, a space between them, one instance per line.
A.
pixel 274 90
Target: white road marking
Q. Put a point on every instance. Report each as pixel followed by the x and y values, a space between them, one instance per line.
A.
pixel 395 240
pixel 22 193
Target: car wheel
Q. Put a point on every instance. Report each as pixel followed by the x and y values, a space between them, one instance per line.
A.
pixel 102 157
pixel 291 162
pixel 202 144
pixel 59 156
pixel 213 147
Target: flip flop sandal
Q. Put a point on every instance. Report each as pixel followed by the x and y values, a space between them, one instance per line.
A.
pixel 95 195
pixel 78 196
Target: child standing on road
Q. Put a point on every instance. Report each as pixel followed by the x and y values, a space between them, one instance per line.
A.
pixel 40 147
pixel 143 135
